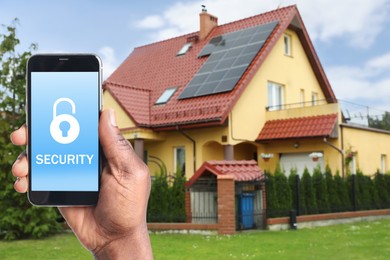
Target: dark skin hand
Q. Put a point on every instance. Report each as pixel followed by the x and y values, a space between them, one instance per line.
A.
pixel 116 227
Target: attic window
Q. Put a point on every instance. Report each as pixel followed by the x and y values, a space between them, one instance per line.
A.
pixel 287 44
pixel 184 49
pixel 166 95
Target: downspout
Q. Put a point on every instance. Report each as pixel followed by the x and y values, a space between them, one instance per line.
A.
pixel 193 144
pixel 341 151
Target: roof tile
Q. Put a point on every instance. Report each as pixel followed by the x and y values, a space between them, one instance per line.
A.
pixel 151 69
pixel 240 170
pixel 301 127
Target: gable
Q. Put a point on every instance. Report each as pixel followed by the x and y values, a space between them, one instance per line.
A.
pixel 122 118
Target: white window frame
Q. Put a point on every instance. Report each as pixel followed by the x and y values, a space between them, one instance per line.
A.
pixel 383 163
pixel 314 98
pixel 175 156
pixel 275 103
pixel 302 97
pixel 166 96
pixel 186 47
pixel 287 44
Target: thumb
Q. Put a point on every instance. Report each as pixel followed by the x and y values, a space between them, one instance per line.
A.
pixel 119 153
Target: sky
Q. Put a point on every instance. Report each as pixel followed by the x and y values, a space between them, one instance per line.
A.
pixel 351 37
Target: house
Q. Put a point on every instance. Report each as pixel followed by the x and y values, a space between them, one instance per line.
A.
pixel 253 89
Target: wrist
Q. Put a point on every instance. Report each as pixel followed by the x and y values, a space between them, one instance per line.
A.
pixel 135 245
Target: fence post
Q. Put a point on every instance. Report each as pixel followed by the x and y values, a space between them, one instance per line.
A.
pixel 354 192
pixel 188 206
pixel 297 194
pixel 226 204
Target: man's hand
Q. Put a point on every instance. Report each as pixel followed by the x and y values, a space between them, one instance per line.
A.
pixel 116 226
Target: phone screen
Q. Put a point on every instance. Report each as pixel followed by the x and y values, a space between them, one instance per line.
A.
pixel 64 107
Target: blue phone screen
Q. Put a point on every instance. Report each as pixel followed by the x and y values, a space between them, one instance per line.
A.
pixel 64 131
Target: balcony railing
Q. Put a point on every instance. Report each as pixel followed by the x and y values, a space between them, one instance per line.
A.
pixel 302 109
pixel 297 105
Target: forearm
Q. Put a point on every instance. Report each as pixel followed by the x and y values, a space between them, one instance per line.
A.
pixel 135 246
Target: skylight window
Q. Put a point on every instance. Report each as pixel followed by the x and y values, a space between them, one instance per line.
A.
pixel 166 95
pixel 184 49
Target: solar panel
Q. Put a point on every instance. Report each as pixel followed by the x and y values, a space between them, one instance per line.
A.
pixel 230 56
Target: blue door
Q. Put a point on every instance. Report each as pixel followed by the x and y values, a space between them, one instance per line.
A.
pixel 246 210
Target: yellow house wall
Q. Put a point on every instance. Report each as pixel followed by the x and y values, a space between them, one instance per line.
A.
pixel 123 120
pixel 332 157
pixel 208 146
pixel 369 146
pixel 294 72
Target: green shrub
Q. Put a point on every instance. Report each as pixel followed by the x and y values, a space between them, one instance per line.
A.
pixel 321 191
pixel 309 200
pixel 383 189
pixel 283 193
pixel 18 218
pixel 293 182
pixel 167 202
pixel 271 198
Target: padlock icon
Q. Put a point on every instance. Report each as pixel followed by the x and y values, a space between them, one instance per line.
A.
pixel 64 128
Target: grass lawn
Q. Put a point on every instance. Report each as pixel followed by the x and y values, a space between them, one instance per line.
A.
pixel 364 240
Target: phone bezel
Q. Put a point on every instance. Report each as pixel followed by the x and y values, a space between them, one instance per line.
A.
pixel 62 63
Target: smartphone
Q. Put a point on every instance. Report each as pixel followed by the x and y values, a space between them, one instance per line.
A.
pixel 63 107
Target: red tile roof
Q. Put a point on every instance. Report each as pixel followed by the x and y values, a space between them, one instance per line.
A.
pixel 302 127
pixel 240 170
pixel 149 70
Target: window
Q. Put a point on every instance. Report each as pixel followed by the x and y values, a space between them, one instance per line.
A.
pixel 184 49
pixel 314 98
pixel 275 96
pixel 166 95
pixel 180 160
pixel 302 97
pixel 383 163
pixel 287 44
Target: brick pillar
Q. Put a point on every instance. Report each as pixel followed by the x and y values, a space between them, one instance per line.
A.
pixel 226 205
pixel 139 148
pixel 188 206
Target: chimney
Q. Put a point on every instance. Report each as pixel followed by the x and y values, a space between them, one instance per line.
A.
pixel 207 23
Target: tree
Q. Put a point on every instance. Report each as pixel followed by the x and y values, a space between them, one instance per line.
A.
pixel 293 181
pixel 308 195
pixel 18 219
pixel 383 123
pixel 321 190
pixel 283 192
pixel 271 198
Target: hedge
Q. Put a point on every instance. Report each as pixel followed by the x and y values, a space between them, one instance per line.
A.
pixel 323 192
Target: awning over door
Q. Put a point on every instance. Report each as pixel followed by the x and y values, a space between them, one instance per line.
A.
pixel 301 127
pixel 240 170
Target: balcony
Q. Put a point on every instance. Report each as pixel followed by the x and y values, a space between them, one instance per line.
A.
pixel 306 109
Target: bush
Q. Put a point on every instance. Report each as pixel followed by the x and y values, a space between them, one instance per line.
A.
pixel 167 202
pixel 383 189
pixel 283 193
pixel 309 200
pixel 18 218
pixel 293 181
pixel 321 191
pixel 271 198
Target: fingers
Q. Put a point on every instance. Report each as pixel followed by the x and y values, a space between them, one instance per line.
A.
pixel 20 171
pixel 20 166
pixel 118 151
pixel 21 185
pixel 19 136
